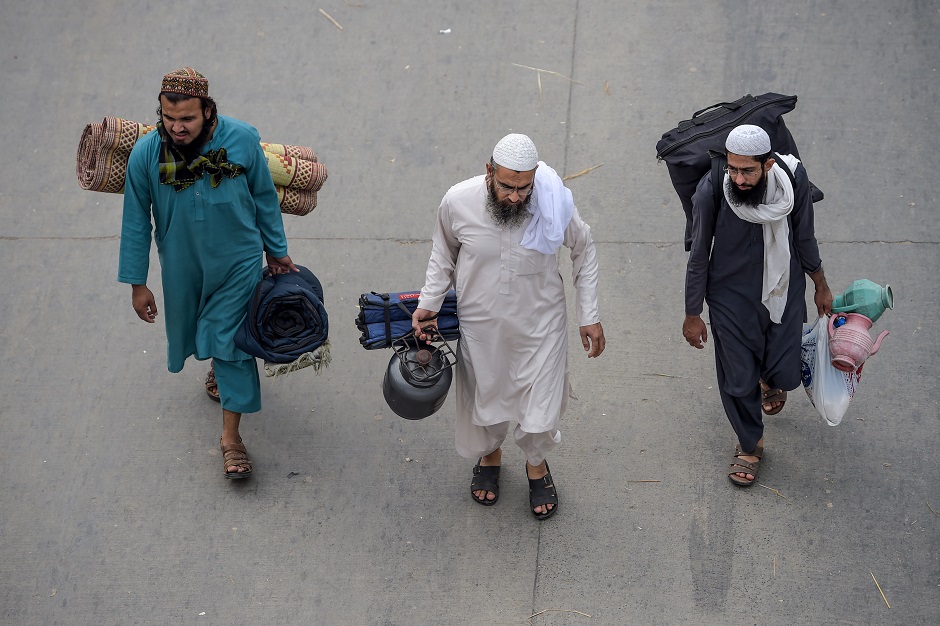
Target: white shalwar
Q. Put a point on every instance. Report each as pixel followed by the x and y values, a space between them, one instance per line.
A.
pixel 513 347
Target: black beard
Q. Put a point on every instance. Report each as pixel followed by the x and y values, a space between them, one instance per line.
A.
pixel 504 213
pixel 749 198
pixel 193 149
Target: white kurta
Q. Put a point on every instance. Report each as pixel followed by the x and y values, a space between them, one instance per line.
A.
pixel 513 347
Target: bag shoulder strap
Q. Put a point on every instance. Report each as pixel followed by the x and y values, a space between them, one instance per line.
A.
pixel 718 166
pixel 786 168
pixel 388 318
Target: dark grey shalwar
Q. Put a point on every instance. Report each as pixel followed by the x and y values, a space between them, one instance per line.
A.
pixel 725 269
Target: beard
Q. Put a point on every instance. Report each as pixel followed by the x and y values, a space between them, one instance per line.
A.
pixel 191 150
pixel 506 214
pixel 746 197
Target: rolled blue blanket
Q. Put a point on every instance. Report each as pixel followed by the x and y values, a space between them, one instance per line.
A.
pixel 385 317
pixel 286 317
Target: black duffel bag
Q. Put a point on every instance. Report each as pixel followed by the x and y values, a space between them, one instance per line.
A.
pixel 690 149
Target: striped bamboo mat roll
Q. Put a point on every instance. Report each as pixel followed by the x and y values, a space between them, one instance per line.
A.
pixel 103 151
pixel 298 152
pixel 296 173
pixel 296 201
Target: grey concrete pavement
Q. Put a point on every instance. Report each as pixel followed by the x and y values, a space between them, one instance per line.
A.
pixel 113 509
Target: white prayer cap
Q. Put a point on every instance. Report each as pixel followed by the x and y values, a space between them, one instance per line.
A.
pixel 748 140
pixel 516 152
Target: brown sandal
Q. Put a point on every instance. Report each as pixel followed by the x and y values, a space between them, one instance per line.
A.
pixel 769 396
pixel 212 387
pixel 739 466
pixel 235 455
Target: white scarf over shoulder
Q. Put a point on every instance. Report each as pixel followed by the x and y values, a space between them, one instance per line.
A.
pixel 551 207
pixel 778 203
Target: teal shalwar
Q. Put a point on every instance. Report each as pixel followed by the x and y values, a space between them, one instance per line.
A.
pixel 210 243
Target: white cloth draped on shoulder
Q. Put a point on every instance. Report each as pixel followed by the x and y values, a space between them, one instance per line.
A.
pixel 772 213
pixel 551 207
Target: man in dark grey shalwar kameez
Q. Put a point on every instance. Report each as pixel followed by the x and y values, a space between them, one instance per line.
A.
pixel 747 261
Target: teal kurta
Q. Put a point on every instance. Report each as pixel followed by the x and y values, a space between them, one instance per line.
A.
pixel 210 241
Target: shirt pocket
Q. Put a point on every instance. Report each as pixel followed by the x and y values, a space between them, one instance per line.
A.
pixel 224 196
pixel 530 262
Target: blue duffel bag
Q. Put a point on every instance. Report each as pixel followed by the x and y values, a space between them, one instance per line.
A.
pixel 385 317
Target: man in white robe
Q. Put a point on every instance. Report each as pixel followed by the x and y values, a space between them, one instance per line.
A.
pixel 495 243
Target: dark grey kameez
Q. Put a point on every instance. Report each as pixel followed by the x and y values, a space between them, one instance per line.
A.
pixel 725 269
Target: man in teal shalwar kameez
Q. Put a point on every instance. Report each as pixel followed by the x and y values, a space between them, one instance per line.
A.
pixel 202 187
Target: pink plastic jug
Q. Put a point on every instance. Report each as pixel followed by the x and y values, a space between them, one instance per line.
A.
pixel 850 344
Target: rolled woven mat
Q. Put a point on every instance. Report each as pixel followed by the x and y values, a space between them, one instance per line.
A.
pixel 296 173
pixel 298 152
pixel 103 151
pixel 296 201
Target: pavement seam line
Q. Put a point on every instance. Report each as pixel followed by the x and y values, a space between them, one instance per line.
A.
pixel 574 48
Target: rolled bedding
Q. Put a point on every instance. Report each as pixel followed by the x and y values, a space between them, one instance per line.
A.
pixel 386 317
pixel 286 318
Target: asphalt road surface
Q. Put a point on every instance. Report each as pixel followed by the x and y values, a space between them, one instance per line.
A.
pixel 113 507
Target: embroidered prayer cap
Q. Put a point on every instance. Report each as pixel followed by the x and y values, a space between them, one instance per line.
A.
pixel 516 152
pixel 186 81
pixel 748 140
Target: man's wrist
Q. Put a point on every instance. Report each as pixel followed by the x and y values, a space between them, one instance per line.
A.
pixel 819 276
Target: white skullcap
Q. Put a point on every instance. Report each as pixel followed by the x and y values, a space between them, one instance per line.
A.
pixel 748 140
pixel 516 152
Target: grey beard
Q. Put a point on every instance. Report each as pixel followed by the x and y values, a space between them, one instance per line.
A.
pixel 507 216
pixel 750 198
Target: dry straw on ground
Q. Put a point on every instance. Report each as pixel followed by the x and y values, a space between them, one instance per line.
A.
pixel 582 172
pixel 556 611
pixel 330 17
pixel 879 589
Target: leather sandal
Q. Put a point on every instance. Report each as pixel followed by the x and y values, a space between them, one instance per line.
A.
pixel 541 492
pixel 769 396
pixel 485 478
pixel 212 387
pixel 235 454
pixel 740 466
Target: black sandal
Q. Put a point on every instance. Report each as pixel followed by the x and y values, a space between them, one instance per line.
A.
pixel 485 478
pixel 541 492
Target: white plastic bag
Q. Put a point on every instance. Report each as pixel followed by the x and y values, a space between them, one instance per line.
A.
pixel 829 389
